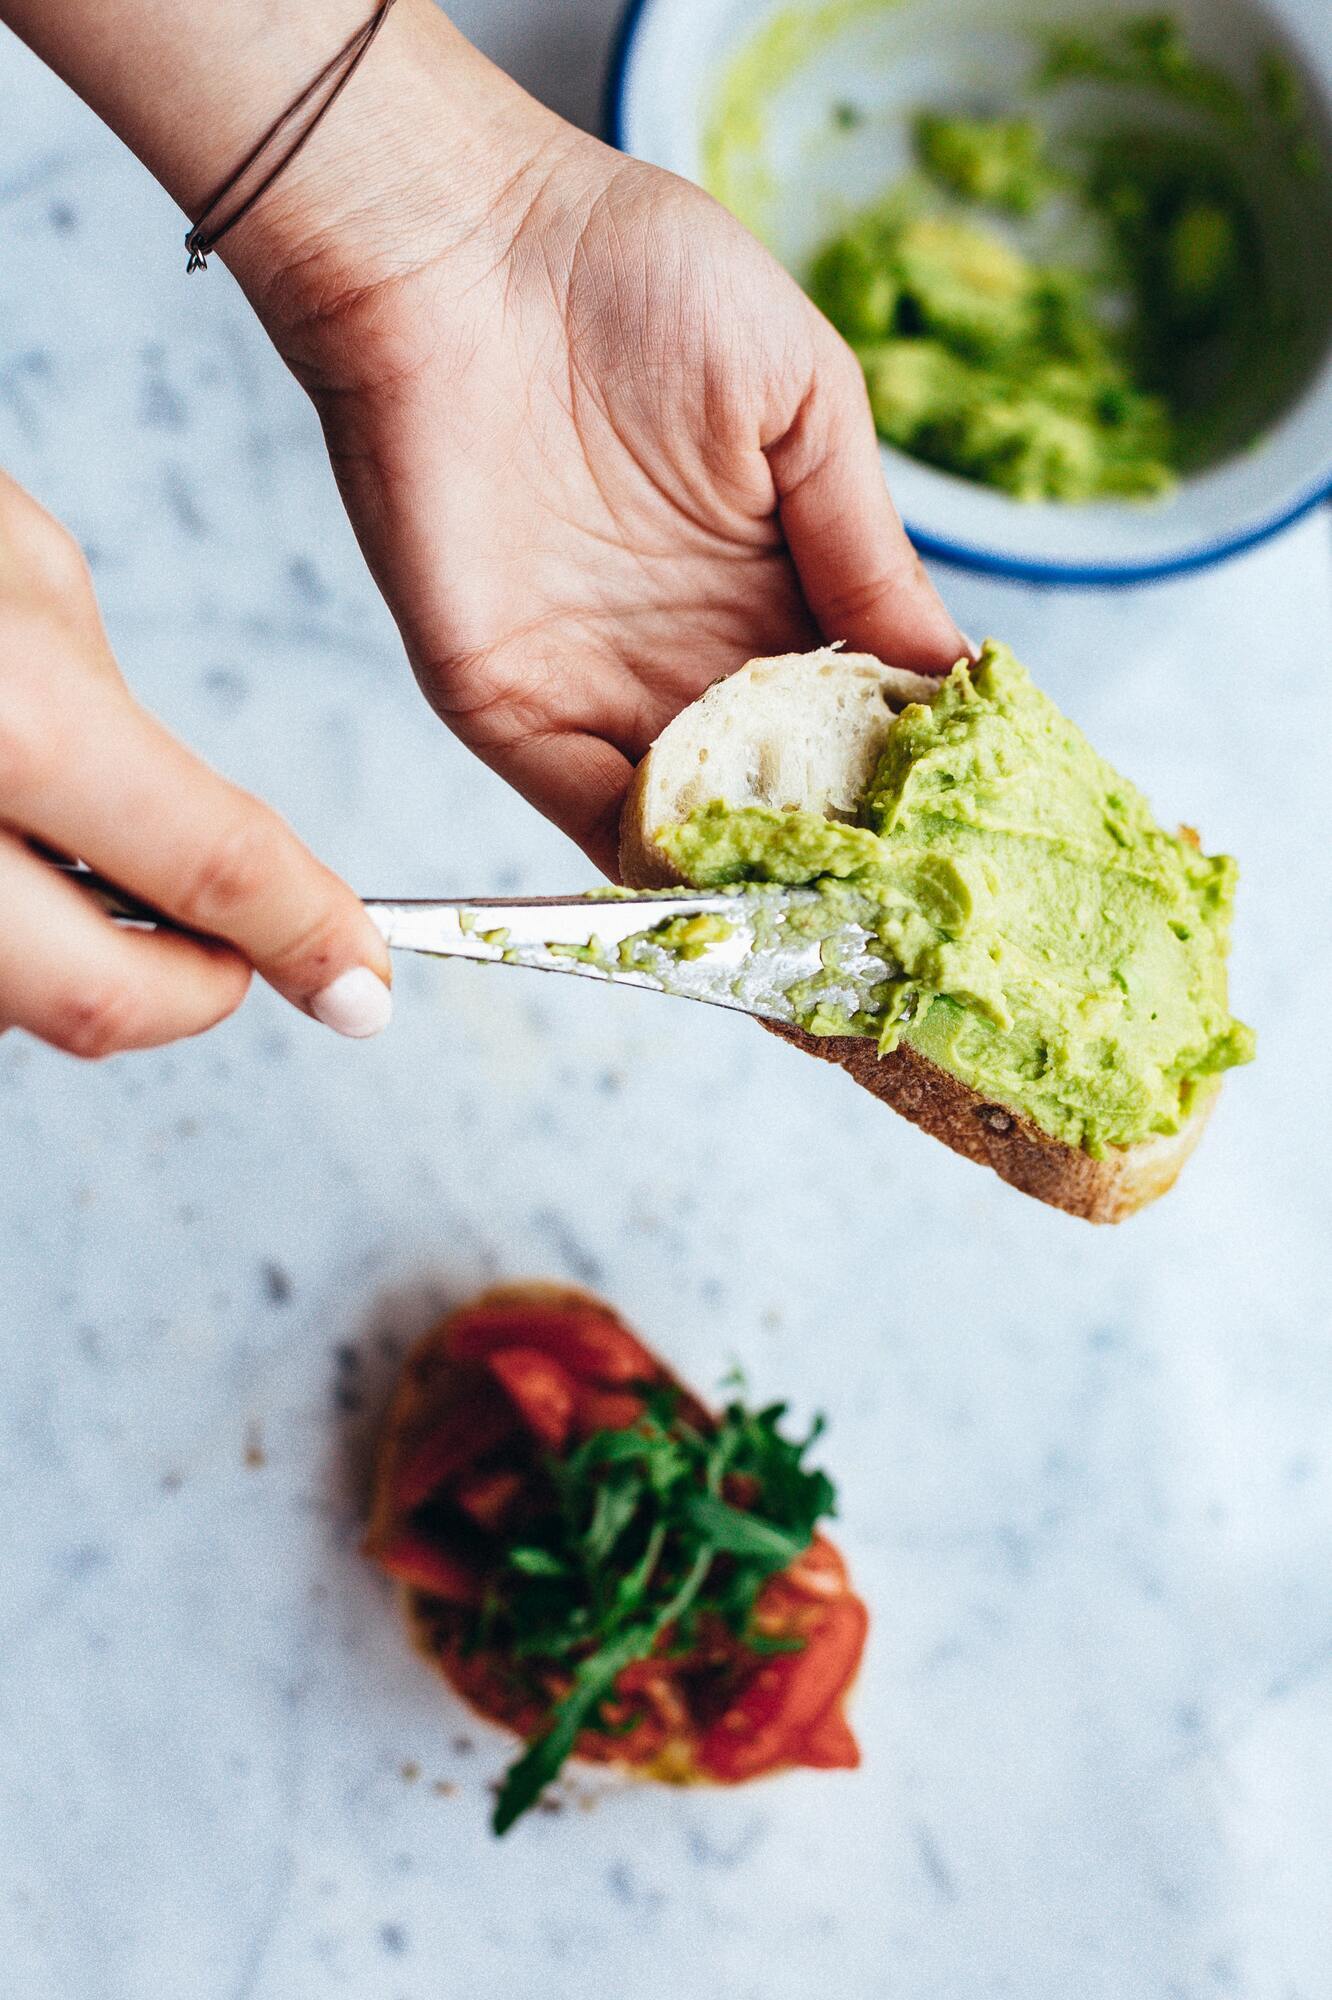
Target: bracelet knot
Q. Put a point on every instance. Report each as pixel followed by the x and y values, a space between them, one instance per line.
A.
pixel 255 175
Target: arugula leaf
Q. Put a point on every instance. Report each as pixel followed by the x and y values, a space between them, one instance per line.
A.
pixel 648 1529
pixel 537 1562
pixel 528 1776
pixel 735 1533
pixel 594 1678
pixel 612 1511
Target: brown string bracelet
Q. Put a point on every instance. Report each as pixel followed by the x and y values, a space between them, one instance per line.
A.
pixel 319 94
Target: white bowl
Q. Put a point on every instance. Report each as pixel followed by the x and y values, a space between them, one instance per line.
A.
pixel 668 59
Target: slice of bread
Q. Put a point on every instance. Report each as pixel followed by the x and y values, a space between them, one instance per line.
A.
pixel 806 730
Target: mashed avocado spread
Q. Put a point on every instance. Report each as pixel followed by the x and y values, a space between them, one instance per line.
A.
pixel 1044 940
pixel 990 365
pixel 1048 379
pixel 1089 282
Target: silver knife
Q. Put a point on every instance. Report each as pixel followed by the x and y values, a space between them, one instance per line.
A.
pixel 763 950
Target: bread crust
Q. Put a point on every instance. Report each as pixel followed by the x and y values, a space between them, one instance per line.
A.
pixel 993 1135
pixel 642 865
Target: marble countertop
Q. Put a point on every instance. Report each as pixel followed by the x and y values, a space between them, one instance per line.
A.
pixel 1086 1476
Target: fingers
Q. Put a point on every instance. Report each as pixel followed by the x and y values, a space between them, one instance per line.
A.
pixel 577 780
pixel 580 782
pixel 72 978
pixel 43 569
pixel 862 578
pixel 85 770
pixel 100 778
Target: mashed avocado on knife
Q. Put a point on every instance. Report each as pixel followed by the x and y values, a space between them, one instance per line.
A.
pixel 1045 941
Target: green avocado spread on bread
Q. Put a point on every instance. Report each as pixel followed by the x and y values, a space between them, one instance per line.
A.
pixel 1044 940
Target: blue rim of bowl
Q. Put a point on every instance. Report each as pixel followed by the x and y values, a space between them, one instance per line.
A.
pixel 966 555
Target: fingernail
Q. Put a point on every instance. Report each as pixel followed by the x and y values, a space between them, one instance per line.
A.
pixel 972 648
pixel 356 1003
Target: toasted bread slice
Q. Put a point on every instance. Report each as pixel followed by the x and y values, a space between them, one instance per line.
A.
pixel 806 730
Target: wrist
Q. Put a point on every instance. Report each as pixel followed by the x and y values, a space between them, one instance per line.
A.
pixel 428 154
pixel 429 143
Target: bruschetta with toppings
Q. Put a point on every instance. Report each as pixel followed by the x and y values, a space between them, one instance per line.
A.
pixel 599 1563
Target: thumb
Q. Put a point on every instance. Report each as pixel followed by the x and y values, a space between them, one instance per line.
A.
pixel 861 577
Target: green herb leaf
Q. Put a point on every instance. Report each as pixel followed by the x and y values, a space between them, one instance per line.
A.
pixel 527 1778
pixel 613 1510
pixel 537 1562
pixel 648 1529
pixel 735 1533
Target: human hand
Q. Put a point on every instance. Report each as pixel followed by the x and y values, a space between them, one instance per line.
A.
pixel 597 446
pixel 85 770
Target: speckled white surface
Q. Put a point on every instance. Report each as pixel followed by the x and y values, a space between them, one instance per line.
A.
pixel 1087 1477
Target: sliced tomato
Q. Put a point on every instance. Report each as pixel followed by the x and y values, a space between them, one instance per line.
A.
pixel 593 1345
pixel 542 1391
pixel 462 1435
pixel 605 1410
pixel 785 1696
pixel 631 1736
pixel 413 1560
pixel 639 1723
pixel 641 1674
pixel 830 1745
pixel 818 1573
pixel 487 1497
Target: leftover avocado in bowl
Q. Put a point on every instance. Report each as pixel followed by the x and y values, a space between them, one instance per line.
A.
pixel 1045 941
pixel 1155 186
pixel 1076 301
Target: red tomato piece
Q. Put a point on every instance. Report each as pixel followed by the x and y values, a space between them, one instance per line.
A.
pixel 641 1674
pixel 819 1572
pixel 593 1345
pixel 830 1745
pixel 465 1433
pixel 418 1562
pixel 605 1410
pixel 643 1716
pixel 541 1390
pixel 487 1497
pixel 785 1696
